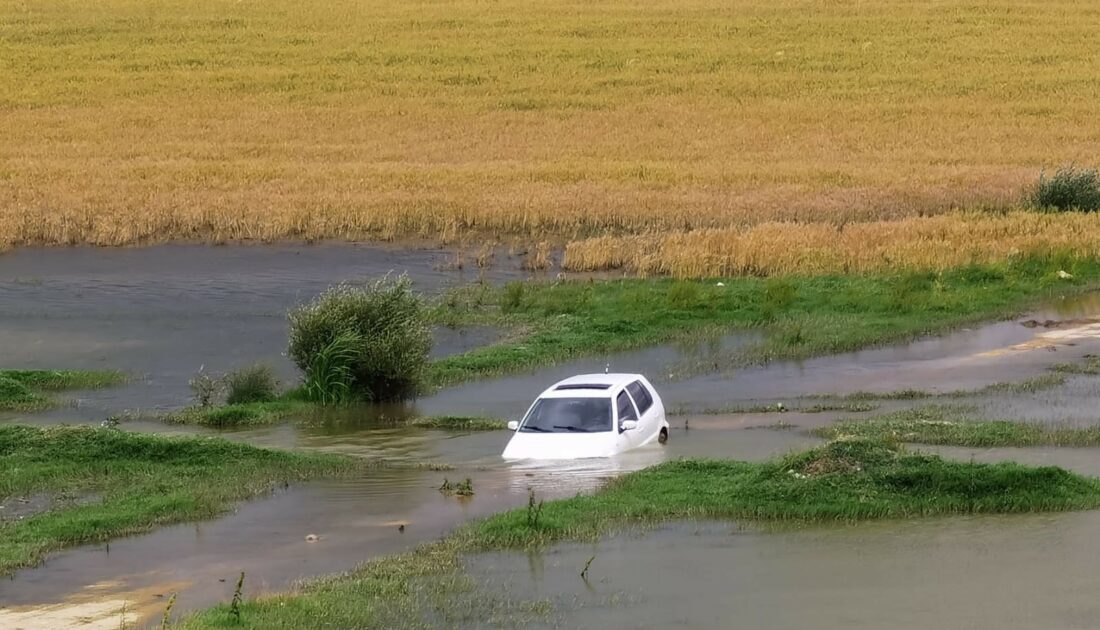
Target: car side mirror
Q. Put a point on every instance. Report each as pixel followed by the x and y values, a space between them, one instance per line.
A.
pixel 629 425
pixel 513 425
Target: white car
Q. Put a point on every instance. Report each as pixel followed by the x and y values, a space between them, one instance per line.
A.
pixel 591 415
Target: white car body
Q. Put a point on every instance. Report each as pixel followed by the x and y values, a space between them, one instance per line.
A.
pixel 598 415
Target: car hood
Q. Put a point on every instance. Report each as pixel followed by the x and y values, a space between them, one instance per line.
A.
pixel 561 445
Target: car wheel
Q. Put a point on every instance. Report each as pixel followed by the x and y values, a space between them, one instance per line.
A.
pixel 662 437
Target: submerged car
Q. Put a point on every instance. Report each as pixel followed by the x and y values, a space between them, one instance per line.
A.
pixel 591 415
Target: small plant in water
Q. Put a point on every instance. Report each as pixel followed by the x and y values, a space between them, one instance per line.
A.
pixel 584 571
pixel 447 487
pixel 168 611
pixel 235 605
pixel 534 509
pixel 465 488
pixel 205 387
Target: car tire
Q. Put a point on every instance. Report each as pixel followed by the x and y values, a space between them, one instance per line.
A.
pixel 662 437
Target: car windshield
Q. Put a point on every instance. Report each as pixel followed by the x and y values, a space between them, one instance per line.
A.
pixel 568 415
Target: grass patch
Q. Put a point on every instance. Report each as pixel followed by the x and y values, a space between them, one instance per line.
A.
pixel 953 426
pixel 1091 367
pixel 853 406
pixel 239 415
pixel 143 480
pixel 1026 386
pixel 843 480
pixel 264 413
pixel 460 423
pixel 26 390
pixel 816 315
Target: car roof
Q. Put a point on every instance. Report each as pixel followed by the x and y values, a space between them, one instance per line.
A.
pixel 590 385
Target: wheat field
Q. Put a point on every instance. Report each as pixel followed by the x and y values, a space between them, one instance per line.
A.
pixel 130 121
pixel 916 243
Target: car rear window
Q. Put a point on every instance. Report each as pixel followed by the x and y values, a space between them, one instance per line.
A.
pixel 568 415
pixel 641 395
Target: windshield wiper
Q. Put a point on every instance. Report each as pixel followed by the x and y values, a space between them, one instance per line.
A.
pixel 534 428
pixel 569 428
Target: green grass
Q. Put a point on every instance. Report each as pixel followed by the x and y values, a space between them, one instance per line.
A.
pixel 1091 367
pixel 460 423
pixel 264 413
pixel 1026 386
pixel 820 315
pixel 853 406
pixel 844 480
pixel 239 415
pixel 956 426
pixel 134 482
pixel 26 390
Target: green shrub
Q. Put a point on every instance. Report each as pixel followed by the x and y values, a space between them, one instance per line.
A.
pixel 255 383
pixel 374 340
pixel 1069 189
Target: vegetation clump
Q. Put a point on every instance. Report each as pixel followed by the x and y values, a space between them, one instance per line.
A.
pixel 23 390
pixel 362 343
pixel 1070 188
pixel 14 395
pixel 954 426
pixel 252 384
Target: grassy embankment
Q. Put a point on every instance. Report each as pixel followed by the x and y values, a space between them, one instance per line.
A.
pixel 844 480
pixel 798 316
pixel 91 484
pixel 128 122
pixel 29 390
pixel 959 426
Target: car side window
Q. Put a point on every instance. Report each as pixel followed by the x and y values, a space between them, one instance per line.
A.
pixel 641 396
pixel 626 407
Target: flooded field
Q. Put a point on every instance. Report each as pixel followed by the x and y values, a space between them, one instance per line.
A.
pixel 163 312
pixel 981 572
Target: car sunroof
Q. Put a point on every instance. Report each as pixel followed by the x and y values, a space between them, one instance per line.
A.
pixel 583 386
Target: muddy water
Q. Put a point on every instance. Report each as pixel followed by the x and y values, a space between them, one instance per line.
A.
pixel 164 311
pixel 982 572
pixel 966 359
pixel 355 519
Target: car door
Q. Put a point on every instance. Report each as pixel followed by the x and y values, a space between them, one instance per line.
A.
pixel 648 420
pixel 625 410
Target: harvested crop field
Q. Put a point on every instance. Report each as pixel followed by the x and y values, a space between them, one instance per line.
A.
pixel 129 122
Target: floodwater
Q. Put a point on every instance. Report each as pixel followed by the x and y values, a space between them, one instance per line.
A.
pixel 164 311
pixel 355 519
pixel 1032 571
